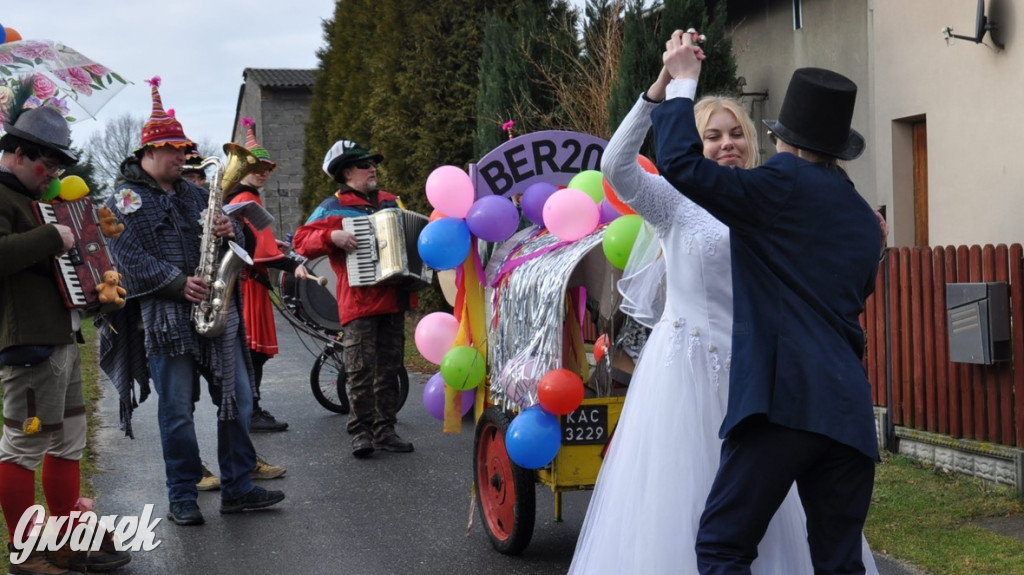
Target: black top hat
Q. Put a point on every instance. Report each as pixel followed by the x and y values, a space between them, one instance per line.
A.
pixel 816 114
pixel 46 127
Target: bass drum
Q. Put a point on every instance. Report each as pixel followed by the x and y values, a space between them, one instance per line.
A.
pixel 314 303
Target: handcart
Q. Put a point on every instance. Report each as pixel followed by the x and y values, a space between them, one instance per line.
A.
pixel 536 322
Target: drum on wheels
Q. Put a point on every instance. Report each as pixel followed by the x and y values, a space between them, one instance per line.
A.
pixel 313 303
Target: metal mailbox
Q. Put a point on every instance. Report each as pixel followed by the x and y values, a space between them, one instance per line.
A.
pixel 979 322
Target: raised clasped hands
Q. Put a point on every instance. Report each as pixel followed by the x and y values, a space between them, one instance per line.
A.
pixel 682 58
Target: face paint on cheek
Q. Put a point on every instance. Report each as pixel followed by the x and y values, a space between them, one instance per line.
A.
pixel 39 170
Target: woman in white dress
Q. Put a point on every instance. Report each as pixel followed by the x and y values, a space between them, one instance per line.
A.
pixel 646 506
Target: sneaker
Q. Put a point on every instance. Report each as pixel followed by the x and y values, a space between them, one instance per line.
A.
pixel 264 470
pixel 263 422
pixel 37 563
pixel 106 558
pixel 393 443
pixel 362 445
pixel 185 513
pixel 256 498
pixel 209 482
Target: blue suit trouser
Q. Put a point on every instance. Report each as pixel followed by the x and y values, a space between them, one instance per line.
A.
pixel 760 461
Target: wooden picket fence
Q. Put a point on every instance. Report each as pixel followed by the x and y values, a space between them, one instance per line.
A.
pixel 910 371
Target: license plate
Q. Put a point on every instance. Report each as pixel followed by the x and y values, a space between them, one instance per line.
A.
pixel 588 425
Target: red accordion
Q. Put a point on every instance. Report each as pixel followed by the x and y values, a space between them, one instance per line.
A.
pixel 81 269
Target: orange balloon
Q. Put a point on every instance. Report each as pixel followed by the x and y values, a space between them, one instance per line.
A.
pixel 600 347
pixel 560 391
pixel 436 215
pixel 12 34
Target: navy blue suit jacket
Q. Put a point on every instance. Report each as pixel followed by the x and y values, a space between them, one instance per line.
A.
pixel 805 251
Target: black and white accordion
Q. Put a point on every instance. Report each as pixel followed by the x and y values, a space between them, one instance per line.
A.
pixel 81 268
pixel 386 251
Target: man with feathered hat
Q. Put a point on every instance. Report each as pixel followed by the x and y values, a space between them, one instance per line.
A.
pixel 259 313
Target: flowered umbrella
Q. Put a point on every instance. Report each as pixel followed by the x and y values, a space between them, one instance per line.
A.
pixel 59 77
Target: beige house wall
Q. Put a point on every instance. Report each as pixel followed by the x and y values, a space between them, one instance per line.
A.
pixel 971 97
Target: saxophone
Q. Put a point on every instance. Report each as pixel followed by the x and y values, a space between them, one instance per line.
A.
pixel 210 316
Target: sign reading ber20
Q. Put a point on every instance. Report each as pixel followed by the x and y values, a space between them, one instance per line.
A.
pixel 551 156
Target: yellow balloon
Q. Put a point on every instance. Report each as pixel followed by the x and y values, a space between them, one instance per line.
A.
pixel 73 188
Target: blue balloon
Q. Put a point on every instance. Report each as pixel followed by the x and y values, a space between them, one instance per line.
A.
pixel 3 34
pixel 533 438
pixel 444 243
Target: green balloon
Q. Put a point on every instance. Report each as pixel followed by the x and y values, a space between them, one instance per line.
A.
pixel 619 238
pixel 53 191
pixel 462 367
pixel 591 182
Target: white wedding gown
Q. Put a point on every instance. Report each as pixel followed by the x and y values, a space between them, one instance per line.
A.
pixel 646 506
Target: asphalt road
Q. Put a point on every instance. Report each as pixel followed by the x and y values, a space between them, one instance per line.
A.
pixel 387 515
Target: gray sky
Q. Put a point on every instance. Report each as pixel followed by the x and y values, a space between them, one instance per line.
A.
pixel 198 48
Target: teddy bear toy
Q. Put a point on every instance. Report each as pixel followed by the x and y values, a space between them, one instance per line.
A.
pixel 109 225
pixel 110 290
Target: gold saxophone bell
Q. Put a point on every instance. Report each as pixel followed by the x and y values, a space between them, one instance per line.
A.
pixel 240 163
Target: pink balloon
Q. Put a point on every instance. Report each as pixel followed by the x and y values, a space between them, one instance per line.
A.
pixel 433 397
pixel 435 335
pixel 570 214
pixel 450 191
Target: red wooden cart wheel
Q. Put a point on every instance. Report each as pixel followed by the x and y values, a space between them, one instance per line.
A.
pixel 505 492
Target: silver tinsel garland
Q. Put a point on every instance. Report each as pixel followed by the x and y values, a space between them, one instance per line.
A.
pixel 526 312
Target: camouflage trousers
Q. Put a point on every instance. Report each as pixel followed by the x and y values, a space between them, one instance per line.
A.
pixel 374 351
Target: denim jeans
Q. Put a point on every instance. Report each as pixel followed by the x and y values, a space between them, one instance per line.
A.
pixel 173 378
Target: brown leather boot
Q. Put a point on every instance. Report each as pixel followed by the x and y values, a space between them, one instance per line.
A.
pixel 107 558
pixel 37 563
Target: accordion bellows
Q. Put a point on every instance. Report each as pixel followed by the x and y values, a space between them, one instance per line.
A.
pixel 387 252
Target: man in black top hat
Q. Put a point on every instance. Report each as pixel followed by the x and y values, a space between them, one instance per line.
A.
pixel 805 250
pixel 44 410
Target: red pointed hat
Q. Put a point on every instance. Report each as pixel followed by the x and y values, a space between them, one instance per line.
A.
pixel 162 128
pixel 253 146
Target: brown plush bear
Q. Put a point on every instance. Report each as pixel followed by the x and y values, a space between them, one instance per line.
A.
pixel 110 290
pixel 108 222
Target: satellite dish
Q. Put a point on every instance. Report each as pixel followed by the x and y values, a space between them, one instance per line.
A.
pixel 981 26
pixel 979 22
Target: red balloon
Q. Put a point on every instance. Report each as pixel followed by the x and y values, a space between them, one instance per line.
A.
pixel 12 35
pixel 560 391
pixel 619 205
pixel 646 164
pixel 600 347
pixel 609 192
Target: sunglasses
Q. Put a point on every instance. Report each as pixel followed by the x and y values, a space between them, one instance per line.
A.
pixel 772 138
pixel 52 167
pixel 365 165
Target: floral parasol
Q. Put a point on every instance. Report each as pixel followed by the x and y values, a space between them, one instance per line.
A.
pixel 59 75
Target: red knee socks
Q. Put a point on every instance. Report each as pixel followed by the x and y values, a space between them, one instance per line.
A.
pixel 17 493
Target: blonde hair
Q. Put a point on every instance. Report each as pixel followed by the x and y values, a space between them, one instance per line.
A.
pixel 708 105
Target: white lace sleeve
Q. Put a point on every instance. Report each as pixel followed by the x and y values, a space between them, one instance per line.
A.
pixel 651 196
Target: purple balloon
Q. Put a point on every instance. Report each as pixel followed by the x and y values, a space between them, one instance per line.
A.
pixel 608 212
pixel 493 218
pixel 433 397
pixel 533 201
